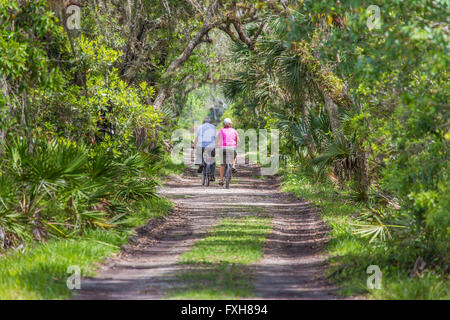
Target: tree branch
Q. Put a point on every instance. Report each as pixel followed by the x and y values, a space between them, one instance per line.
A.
pixel 209 23
pixel 242 35
pixel 226 28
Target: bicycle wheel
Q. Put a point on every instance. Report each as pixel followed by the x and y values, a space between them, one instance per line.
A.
pixel 228 176
pixel 207 175
pixel 204 174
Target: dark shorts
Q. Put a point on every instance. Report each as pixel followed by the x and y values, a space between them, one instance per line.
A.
pixel 209 151
pixel 212 150
pixel 228 154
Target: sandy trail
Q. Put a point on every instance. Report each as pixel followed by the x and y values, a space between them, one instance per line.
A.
pixel 292 266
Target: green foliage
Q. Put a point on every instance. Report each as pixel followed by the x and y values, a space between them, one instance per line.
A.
pixel 68 127
pixel 74 91
pixel 398 117
pixel 58 190
pixel 39 271
pixel 350 253
pixel 401 120
pixel 389 135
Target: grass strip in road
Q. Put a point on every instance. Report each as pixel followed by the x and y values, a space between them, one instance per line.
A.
pixel 216 267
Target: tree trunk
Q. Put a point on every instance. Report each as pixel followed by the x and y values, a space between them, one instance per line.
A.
pixel 5 91
pixel 332 110
pixel 363 174
pixel 310 142
pixel 160 98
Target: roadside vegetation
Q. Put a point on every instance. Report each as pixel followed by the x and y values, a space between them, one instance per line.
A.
pixel 80 161
pixel 40 270
pixel 363 116
pixel 358 239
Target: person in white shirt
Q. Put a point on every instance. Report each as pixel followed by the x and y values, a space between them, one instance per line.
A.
pixel 205 137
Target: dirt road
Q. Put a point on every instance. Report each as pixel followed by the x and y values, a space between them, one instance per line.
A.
pixel 292 266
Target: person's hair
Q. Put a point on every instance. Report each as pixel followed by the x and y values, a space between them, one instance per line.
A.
pixel 206 120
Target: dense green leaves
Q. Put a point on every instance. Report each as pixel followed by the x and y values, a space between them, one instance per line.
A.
pixel 67 129
pixel 393 135
pixel 57 189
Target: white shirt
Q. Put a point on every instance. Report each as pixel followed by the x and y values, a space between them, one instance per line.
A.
pixel 206 135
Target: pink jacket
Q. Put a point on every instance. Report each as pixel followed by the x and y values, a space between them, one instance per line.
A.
pixel 229 137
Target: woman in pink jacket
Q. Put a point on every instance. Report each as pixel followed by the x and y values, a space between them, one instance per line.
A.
pixel 228 141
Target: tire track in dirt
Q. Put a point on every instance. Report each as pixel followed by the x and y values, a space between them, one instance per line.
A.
pixel 292 267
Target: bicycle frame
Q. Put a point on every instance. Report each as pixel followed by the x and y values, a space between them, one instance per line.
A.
pixel 206 172
pixel 228 171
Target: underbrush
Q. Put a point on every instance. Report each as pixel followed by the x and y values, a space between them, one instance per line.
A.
pixel 352 250
pixel 40 270
pixel 63 204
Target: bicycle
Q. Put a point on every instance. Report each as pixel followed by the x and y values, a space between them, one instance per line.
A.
pixel 228 174
pixel 228 160
pixel 206 171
